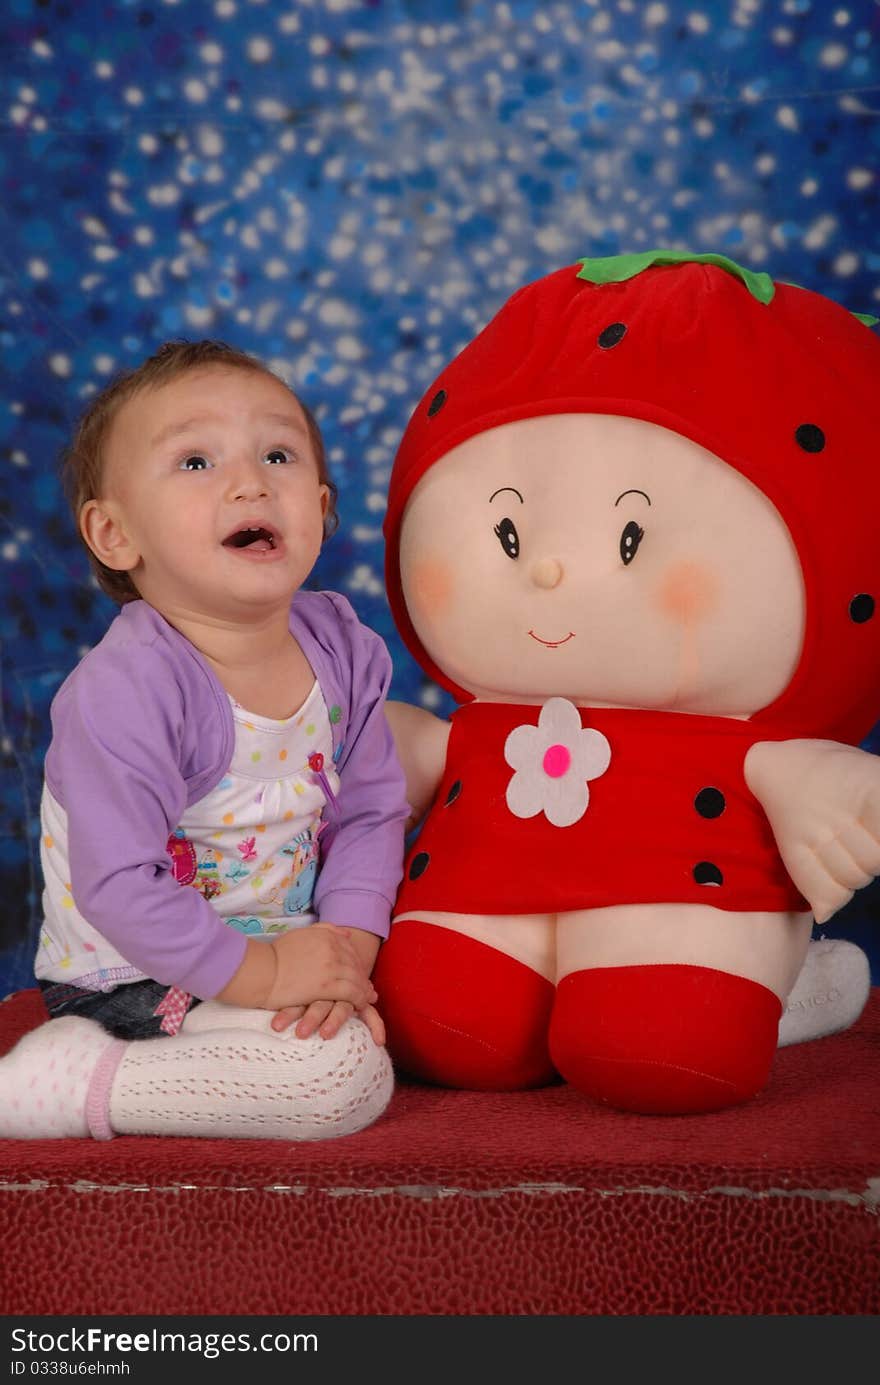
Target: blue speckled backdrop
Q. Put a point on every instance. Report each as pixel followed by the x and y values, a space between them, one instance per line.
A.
pixel 351 190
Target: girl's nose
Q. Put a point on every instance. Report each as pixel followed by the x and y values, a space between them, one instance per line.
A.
pixel 249 481
pixel 546 572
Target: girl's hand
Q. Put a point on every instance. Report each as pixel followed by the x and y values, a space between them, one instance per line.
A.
pixel 327 1017
pixel 318 963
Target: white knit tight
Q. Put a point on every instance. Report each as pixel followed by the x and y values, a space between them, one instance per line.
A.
pixel 226 1074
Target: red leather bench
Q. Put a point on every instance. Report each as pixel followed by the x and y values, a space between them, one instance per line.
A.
pixel 469 1203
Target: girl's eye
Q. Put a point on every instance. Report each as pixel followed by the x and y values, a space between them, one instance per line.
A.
pixel 629 541
pixel 276 455
pixel 195 463
pixel 508 537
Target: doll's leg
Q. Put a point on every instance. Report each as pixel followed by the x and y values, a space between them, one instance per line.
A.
pixel 467 1002
pixel 235 1082
pixel 672 1009
pixel 829 994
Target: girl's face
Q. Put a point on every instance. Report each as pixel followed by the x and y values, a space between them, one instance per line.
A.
pixel 606 560
pixel 212 489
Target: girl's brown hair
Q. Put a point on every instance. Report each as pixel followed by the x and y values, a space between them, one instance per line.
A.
pixel 82 464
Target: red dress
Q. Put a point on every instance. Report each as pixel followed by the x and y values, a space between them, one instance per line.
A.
pixel 670 821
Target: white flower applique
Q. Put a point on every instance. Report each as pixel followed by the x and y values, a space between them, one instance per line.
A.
pixel 553 762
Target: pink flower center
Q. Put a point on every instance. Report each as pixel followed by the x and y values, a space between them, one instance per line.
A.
pixel 556 762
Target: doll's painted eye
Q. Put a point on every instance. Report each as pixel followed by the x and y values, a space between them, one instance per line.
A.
pixel 508 537
pixel 630 540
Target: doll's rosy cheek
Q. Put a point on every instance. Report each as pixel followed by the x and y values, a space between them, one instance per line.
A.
pixel 688 592
pixel 430 586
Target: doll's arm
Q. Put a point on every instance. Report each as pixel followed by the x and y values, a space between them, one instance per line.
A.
pixel 421 740
pixel 822 800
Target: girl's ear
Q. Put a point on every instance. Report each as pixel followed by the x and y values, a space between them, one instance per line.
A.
pixel 101 525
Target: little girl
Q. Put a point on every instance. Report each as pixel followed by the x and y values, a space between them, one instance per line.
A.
pixel 223 812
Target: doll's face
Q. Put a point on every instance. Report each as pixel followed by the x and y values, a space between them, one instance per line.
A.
pixel 606 560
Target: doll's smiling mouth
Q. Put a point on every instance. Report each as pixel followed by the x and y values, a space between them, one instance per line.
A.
pixel 552 644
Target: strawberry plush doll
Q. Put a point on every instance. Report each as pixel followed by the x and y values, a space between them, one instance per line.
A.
pixel 632 528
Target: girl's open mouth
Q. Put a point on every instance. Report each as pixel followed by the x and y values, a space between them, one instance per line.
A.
pixel 254 541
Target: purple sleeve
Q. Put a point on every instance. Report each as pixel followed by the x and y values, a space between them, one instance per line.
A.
pixel 362 846
pixel 114 767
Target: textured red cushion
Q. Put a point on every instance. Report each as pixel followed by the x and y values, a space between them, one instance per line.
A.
pixel 470 1203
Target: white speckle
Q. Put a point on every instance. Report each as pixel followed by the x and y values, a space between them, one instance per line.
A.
pixel 319 45
pixel 275 268
pixel 134 96
pixel 841 17
pixel 349 348
pixel 809 187
pixel 337 313
pixel 211 53
pixel 198 317
pixel 698 23
pixel 104 364
pixel 210 141
pixel 765 163
pixel 341 247
pixel 656 14
pixel 144 235
pixel 788 118
pixel 289 24
pixel 19 458
pixel 93 227
pixel 364 579
pixel 18 114
pixel 144 286
pixel 859 178
pixel 704 127
pixel 163 194
pixel 9 551
pixel 38 269
pixel 41 48
pixel 833 55
pixel 225 9
pixel 259 50
pixel 271 109
pixel 845 264
pixel 61 365
pixel 195 90
pixel 148 144
pixel 782 36
pixel 820 232
pixel 430 696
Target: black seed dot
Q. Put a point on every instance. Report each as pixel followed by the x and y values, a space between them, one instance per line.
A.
pixel 705 873
pixel 710 803
pixel 810 437
pixel 611 335
pixel 437 403
pixel 419 865
pixel 453 792
pixel 861 608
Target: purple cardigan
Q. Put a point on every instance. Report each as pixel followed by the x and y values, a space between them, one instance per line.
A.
pixel 142 728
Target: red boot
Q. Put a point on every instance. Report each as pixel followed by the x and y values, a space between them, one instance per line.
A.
pixel 461 1013
pixel 664 1039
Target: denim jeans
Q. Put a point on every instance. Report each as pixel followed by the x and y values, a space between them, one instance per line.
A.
pixel 127 1012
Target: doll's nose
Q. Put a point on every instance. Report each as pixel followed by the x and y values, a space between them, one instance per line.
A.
pixel 546 572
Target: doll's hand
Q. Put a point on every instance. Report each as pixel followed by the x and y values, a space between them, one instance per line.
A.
pixel 823 802
pixel 328 1018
